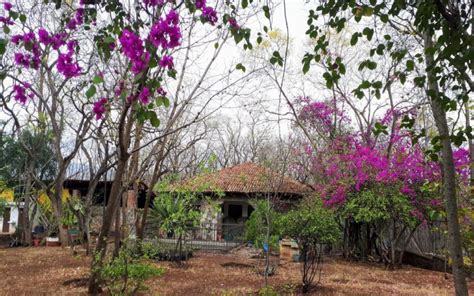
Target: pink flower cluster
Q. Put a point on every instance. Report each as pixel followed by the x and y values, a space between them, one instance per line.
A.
pixel 166 33
pixel 132 47
pixel 208 13
pixel 349 163
pixel 32 58
pixel 20 92
pixel 77 20
pixel 99 108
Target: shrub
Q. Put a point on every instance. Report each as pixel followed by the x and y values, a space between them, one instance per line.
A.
pixel 312 227
pixel 125 275
pixel 262 225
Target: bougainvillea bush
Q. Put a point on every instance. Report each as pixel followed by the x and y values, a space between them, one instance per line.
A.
pixel 383 184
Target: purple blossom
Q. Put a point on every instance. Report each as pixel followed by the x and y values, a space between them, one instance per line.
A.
pixel 67 66
pixel 166 32
pixel 20 95
pixel 29 37
pixel 99 108
pixel 72 24
pixel 200 4
pixel 210 15
pixel 22 60
pixel 16 39
pixel 132 47
pixel 233 24
pixel 153 2
pixel 6 20
pixel 58 40
pixel 166 62
pixel 7 6
pixel 161 91
pixel 119 89
pixel 43 36
pixel 144 96
pixel 79 16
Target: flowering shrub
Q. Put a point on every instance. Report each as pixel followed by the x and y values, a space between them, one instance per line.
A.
pixel 375 181
pixel 148 46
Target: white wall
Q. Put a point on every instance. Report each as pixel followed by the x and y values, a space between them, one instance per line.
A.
pixel 13 218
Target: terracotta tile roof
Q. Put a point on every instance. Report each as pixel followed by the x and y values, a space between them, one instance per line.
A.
pixel 247 178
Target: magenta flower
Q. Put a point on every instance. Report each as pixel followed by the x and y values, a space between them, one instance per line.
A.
pixel 29 37
pixel 161 91
pixel 58 40
pixel 43 36
pixel 7 6
pixel 233 24
pixel 16 39
pixel 166 62
pixel 132 47
pixel 99 108
pixel 200 4
pixel 144 96
pixel 20 95
pixel 154 2
pixel 6 20
pixel 166 32
pixel 210 15
pixel 67 67
pixel 22 59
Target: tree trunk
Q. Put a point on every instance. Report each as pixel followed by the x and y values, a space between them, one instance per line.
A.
pixel 111 209
pixel 449 173
pixel 25 219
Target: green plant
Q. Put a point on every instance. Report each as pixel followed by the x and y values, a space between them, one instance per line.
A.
pixel 312 227
pixel 262 221
pixel 125 275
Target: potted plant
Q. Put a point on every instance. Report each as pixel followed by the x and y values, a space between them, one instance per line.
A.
pixel 36 241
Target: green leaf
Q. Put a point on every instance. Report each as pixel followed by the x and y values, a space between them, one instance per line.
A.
pixel 239 66
pixel 166 102
pixel 3 45
pixel 410 65
pixel 368 32
pixel 91 91
pixel 365 84
pixel 22 18
pixel 155 122
pixel 245 3
pixel 13 14
pixel 266 11
pixel 97 79
pixel 354 38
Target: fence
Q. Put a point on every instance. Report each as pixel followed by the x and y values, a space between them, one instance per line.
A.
pixel 215 237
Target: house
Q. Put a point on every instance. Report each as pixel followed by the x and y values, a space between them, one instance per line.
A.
pixel 10 219
pixel 236 188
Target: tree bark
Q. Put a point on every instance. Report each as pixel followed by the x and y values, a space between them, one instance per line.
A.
pixel 449 173
pixel 124 129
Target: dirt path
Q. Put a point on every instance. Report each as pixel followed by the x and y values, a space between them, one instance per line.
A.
pixel 54 271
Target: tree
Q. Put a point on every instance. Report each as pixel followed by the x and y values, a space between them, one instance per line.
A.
pixel 26 162
pixel 313 227
pixel 444 76
pixel 175 212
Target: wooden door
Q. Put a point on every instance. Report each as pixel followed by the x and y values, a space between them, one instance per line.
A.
pixel 6 219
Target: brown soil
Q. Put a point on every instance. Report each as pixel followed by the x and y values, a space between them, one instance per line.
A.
pixel 55 271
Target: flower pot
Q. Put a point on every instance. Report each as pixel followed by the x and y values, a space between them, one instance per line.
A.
pixel 36 242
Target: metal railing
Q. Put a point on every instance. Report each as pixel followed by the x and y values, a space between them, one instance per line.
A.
pixel 214 237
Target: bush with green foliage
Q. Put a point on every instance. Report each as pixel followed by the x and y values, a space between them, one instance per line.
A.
pixel 125 275
pixel 312 226
pixel 262 222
